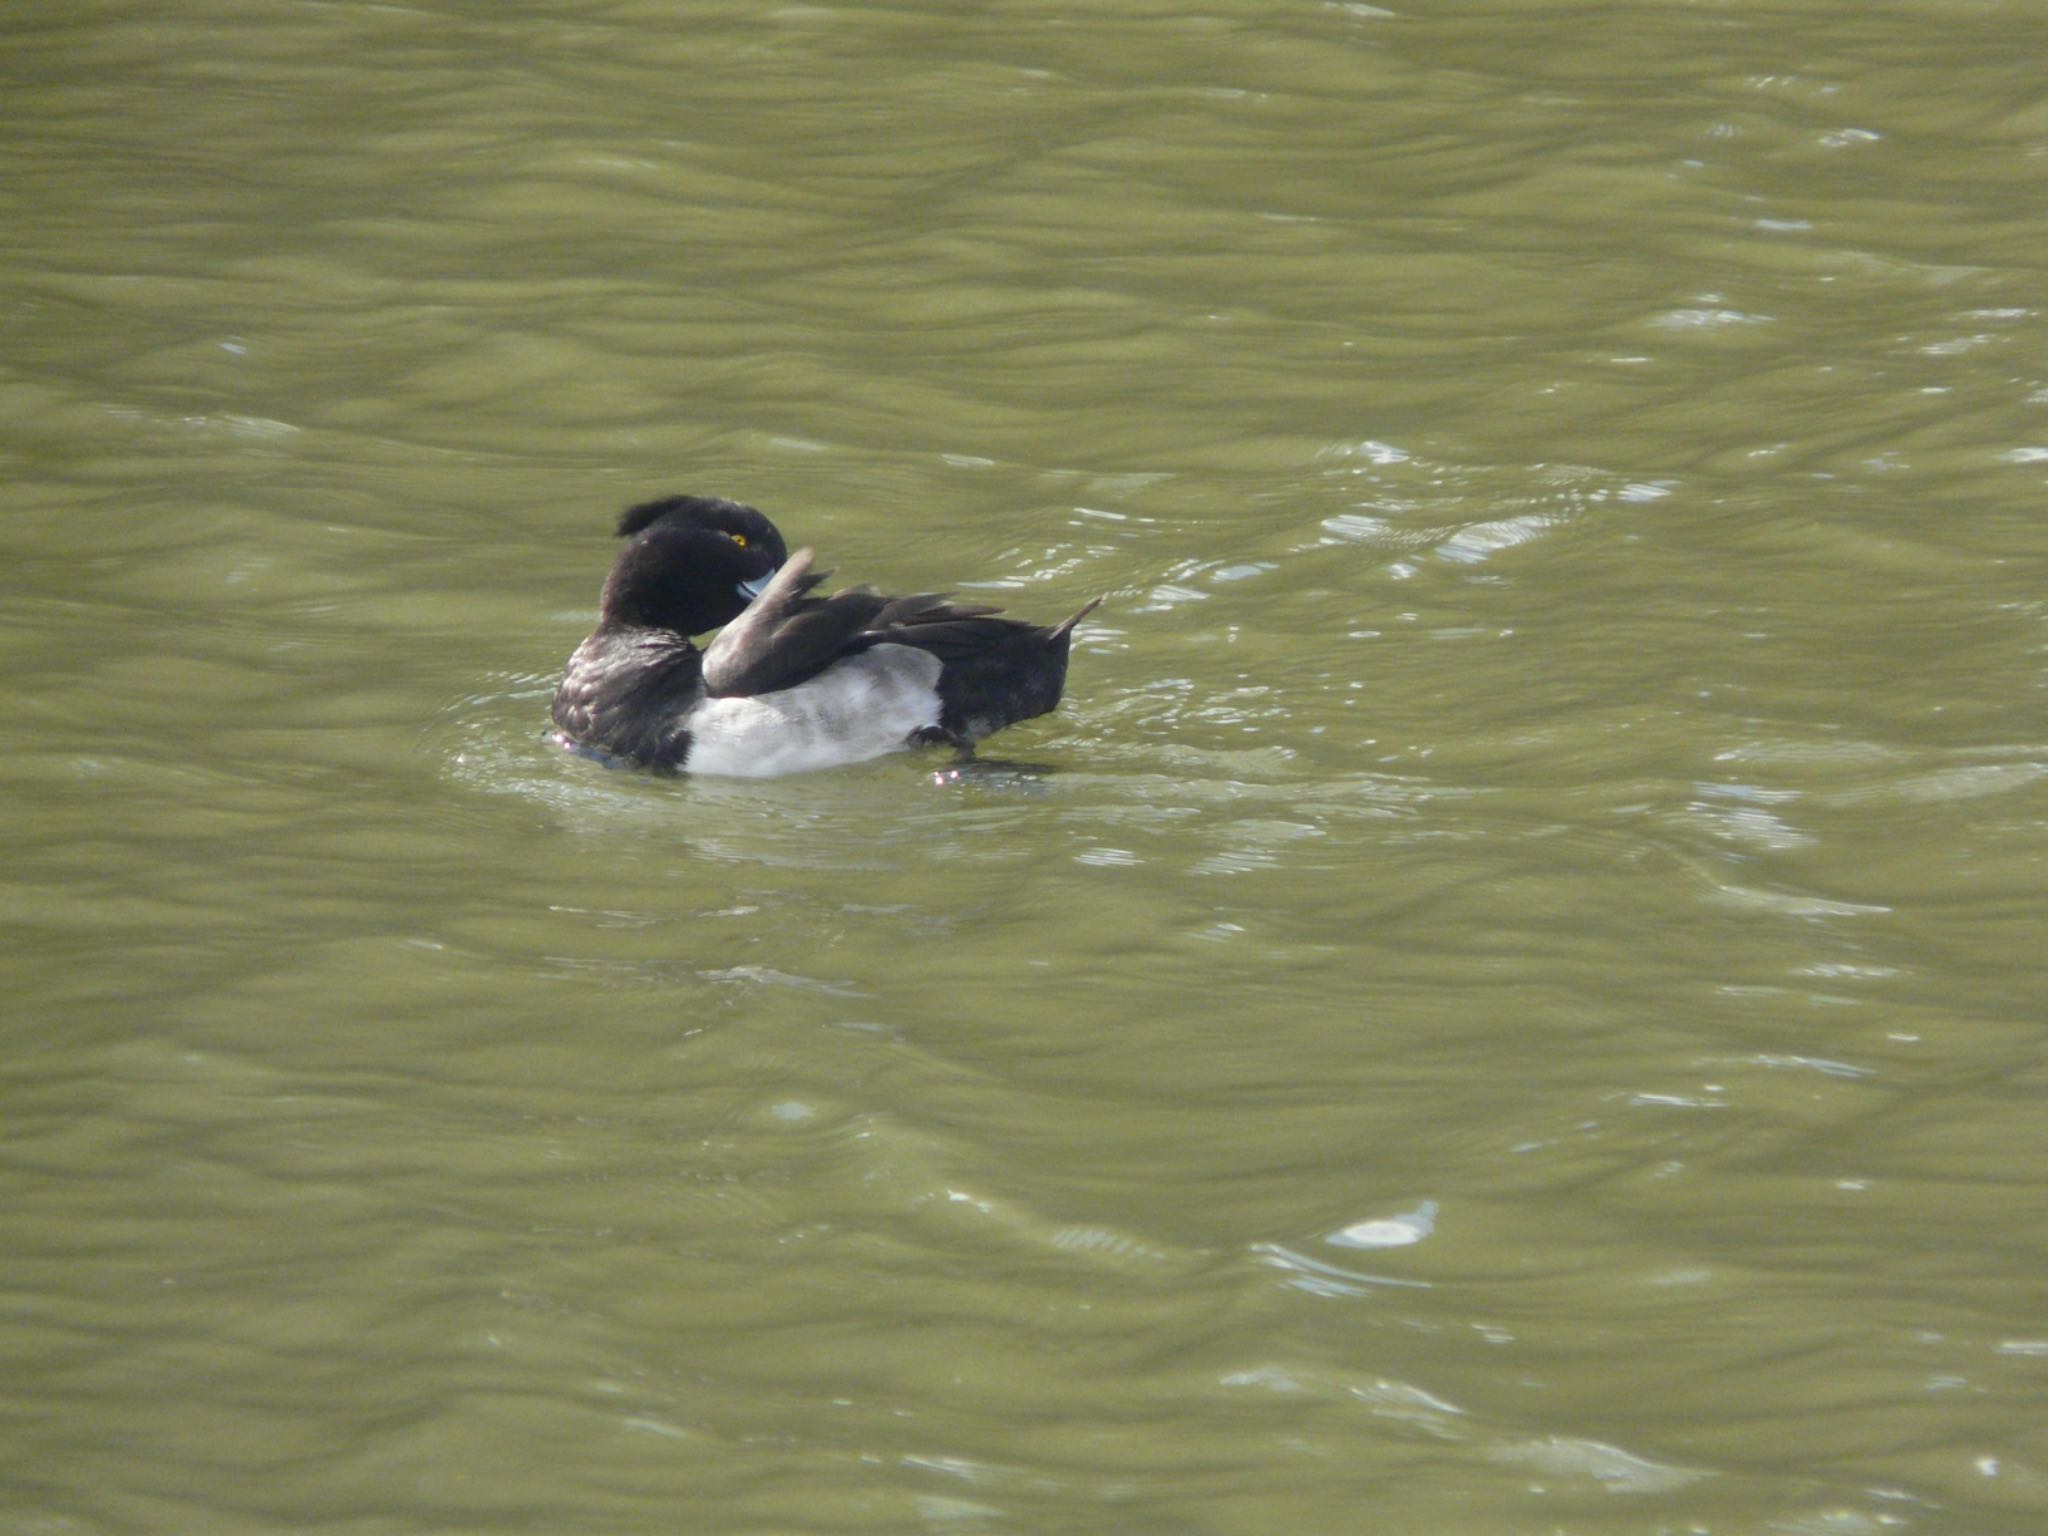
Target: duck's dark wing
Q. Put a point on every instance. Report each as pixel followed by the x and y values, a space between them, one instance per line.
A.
pixel 955 632
pixel 785 635
pixel 993 671
pixel 931 622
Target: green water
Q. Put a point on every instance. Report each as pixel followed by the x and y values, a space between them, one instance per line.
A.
pixel 1508 999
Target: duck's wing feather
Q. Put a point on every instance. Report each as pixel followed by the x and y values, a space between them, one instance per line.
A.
pixel 786 635
pixel 921 609
pixel 956 632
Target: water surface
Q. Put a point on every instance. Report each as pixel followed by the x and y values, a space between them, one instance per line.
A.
pixel 1507 999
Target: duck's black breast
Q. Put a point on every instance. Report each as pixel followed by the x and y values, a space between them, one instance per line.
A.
pixel 629 692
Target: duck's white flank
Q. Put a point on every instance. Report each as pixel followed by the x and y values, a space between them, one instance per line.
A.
pixel 859 708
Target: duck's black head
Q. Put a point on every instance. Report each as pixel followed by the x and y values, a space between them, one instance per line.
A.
pixel 693 564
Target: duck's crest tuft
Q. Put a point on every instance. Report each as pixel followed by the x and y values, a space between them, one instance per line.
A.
pixel 636 518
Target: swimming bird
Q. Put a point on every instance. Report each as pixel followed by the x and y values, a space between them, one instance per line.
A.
pixel 792 681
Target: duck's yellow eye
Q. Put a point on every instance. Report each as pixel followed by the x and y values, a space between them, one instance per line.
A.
pixel 739 539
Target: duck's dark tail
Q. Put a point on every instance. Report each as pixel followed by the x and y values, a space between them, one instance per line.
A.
pixel 997 671
pixel 1065 627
